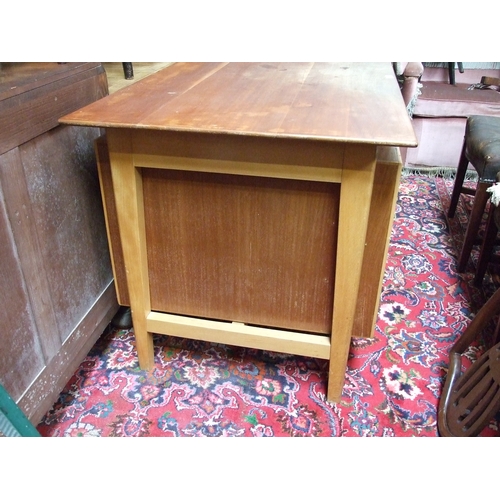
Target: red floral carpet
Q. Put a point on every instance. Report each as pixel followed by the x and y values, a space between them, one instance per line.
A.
pixel 393 380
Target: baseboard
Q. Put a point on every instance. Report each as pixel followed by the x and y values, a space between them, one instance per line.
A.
pixel 44 391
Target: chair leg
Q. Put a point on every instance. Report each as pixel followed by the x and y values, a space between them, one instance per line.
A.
pixel 459 181
pixel 451 72
pixel 128 70
pixel 474 222
pixel 487 246
pixel 478 324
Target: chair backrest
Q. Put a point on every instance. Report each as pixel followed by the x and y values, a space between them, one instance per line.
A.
pixel 471 399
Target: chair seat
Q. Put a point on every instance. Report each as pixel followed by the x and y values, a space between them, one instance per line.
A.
pixel 483 145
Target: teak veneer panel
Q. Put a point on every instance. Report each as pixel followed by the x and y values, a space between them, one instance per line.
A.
pixel 239 248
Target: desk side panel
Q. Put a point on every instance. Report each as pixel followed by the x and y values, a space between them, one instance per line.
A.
pixel 111 217
pixel 254 250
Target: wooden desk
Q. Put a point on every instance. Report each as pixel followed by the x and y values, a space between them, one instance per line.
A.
pixel 243 193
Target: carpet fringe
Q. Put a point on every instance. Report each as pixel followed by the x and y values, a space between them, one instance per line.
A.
pixel 443 172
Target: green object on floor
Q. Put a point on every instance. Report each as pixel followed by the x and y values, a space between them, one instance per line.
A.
pixel 13 422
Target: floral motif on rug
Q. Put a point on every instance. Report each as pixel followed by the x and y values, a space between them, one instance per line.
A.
pixel 392 384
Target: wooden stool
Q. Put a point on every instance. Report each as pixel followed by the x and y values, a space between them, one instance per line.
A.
pixel 481 148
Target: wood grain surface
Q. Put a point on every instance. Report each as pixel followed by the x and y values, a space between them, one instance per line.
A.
pixel 331 101
pixel 238 248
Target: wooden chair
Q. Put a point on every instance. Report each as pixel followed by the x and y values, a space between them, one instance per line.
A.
pixel 481 149
pixel 471 399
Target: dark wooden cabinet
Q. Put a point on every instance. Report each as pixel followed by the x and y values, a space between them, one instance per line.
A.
pixel 56 282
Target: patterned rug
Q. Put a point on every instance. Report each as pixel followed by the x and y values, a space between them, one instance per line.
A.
pixel 393 380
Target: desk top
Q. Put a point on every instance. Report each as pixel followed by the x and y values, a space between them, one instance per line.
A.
pixel 345 102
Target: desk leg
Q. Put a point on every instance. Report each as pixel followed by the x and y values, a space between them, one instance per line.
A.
pixel 355 202
pixel 385 194
pixel 127 186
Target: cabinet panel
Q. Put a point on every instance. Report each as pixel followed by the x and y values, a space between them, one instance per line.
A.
pixel 56 284
pixel 21 357
pixel 69 220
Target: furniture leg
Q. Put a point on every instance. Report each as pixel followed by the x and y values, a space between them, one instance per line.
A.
pixel 123 318
pixel 487 246
pixel 355 197
pixel 476 215
pixel 127 185
pixel 459 181
pixel 384 198
pixel 128 70
pixel 451 72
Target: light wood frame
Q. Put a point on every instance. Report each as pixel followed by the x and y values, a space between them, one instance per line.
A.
pixel 369 178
